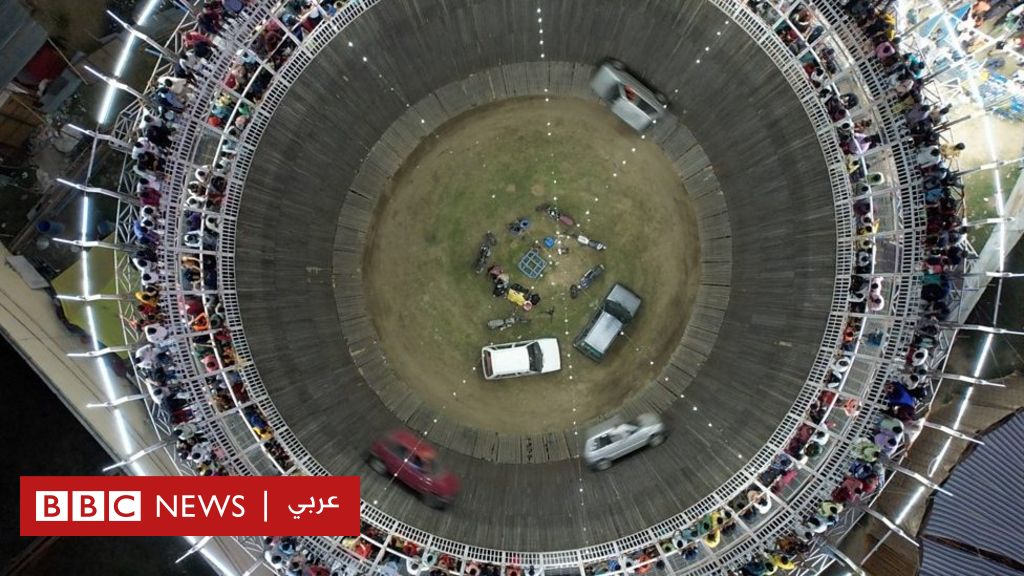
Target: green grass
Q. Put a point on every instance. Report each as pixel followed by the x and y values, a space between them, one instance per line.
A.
pixel 431 308
pixel 464 210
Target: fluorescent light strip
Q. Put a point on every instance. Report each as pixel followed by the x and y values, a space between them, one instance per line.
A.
pixel 938 459
pixel 147 11
pixel 106 380
pixel 963 407
pixel 956 424
pixel 910 504
pixel 122 61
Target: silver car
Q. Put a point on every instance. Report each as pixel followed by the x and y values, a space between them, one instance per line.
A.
pixel 627 97
pixel 616 438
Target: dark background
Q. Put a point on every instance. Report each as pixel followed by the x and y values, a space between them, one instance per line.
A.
pixel 43 438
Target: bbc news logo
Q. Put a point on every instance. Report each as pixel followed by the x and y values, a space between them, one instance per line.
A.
pixel 178 506
pixel 88 506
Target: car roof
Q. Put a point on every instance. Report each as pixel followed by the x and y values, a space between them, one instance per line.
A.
pixel 603 331
pixel 624 77
pixel 413 443
pixel 510 360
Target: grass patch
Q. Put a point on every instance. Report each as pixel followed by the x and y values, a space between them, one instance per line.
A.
pixel 490 168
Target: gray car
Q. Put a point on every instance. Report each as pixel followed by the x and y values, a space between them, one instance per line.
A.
pixel 628 98
pixel 615 438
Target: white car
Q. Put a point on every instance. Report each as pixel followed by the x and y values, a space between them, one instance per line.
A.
pixel 615 438
pixel 524 358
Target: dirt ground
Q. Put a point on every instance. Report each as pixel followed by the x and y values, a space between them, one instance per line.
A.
pixel 493 166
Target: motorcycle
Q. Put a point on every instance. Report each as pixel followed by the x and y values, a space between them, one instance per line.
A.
pixel 484 254
pixel 501 324
pixel 586 280
pixel 599 246
pixel 557 215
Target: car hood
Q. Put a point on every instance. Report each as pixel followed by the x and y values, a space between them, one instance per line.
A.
pixel 552 356
pixel 648 420
pixel 447 484
pixel 625 298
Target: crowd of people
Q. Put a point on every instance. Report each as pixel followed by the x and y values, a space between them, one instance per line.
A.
pixel 180 312
pixel 181 286
pixel 908 388
pixel 207 338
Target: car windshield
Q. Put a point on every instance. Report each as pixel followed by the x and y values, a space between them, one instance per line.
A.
pixel 536 357
pixel 488 370
pixel 646 106
pixel 618 310
pixel 631 95
pixel 420 463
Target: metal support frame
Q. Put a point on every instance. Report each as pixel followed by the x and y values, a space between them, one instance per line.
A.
pixel 133 457
pixel 892 526
pixel 119 196
pixel 114 141
pixel 97 244
pixel 100 352
pixel 115 82
pixel 159 48
pixel 117 402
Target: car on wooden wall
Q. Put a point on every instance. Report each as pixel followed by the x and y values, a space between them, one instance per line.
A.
pixel 615 438
pixel 627 97
pixel 414 462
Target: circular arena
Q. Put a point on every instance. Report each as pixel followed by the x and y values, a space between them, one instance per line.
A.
pixel 526 490
pixel 316 227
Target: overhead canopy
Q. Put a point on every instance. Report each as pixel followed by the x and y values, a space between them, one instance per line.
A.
pixel 941 559
pixel 976 529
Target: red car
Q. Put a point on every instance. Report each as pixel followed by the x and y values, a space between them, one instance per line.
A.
pixel 414 461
